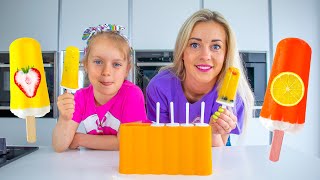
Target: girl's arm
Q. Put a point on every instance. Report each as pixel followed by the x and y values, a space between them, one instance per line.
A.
pixel 65 128
pixel 99 142
pixel 63 134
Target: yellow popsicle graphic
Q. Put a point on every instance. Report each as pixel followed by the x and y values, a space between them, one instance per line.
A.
pixel 71 69
pixel 227 93
pixel 29 96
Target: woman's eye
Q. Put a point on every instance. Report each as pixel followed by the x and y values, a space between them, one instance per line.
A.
pixel 194 45
pixel 216 47
pixel 117 65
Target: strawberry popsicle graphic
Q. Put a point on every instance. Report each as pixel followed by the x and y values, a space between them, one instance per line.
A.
pixel 29 96
pixel 28 80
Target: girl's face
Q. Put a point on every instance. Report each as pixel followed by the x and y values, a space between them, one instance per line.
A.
pixel 107 67
pixel 205 53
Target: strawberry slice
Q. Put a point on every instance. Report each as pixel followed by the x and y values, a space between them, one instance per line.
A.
pixel 28 80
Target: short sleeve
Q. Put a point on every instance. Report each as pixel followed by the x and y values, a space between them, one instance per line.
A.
pixel 239 112
pixel 79 106
pixel 134 106
pixel 154 95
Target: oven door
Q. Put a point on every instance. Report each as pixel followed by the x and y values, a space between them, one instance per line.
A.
pixel 145 71
pixel 257 76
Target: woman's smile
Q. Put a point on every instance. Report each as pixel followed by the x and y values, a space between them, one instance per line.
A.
pixel 204 67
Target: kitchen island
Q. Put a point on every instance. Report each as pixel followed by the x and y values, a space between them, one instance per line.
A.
pixel 235 162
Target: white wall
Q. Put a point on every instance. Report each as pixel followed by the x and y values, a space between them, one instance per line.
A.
pixel 301 19
pixel 33 18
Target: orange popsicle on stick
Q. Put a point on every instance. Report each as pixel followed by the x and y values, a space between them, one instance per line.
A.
pixel 29 96
pixel 284 106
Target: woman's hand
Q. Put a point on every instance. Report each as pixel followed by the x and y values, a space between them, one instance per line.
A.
pixel 223 121
pixel 66 105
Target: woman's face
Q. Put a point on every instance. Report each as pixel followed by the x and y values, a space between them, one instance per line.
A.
pixel 205 53
pixel 107 67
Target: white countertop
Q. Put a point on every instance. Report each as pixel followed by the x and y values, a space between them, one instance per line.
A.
pixel 237 162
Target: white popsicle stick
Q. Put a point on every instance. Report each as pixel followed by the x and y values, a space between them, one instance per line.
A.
pixel 202 112
pixel 157 116
pixel 158 113
pixel 172 116
pixel 187 113
pixel 187 124
pixel 202 116
pixel 172 112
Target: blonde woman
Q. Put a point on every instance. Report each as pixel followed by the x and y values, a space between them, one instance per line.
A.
pixel 205 48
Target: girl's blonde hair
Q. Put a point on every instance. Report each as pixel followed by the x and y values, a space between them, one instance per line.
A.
pixel 119 41
pixel 232 57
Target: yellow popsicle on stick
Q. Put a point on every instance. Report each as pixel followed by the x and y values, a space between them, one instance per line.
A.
pixel 228 91
pixel 29 96
pixel 71 69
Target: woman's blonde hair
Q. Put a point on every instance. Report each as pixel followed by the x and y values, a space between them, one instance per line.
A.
pixel 232 57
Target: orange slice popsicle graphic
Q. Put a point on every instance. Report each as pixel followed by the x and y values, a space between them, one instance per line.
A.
pixel 285 100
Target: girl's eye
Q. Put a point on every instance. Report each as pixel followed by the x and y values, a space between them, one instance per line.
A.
pixel 216 47
pixel 97 61
pixel 194 45
pixel 116 65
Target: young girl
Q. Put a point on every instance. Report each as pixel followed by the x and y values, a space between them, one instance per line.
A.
pixel 109 100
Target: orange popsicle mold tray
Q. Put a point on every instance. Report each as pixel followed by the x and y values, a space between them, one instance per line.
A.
pixel 146 149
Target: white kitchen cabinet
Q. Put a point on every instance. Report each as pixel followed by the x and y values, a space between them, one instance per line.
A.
pixel 248 19
pixel 37 19
pixel 155 24
pixel 77 15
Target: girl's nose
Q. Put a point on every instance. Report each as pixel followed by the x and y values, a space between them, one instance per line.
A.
pixel 106 71
pixel 205 54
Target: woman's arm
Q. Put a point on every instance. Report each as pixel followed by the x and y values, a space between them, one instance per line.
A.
pixel 219 140
pixel 222 123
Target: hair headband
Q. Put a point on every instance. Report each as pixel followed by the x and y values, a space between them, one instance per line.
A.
pixel 91 31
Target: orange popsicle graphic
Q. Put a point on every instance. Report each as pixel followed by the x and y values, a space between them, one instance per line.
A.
pixel 285 100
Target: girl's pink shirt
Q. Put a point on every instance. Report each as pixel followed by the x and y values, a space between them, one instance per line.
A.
pixel 126 106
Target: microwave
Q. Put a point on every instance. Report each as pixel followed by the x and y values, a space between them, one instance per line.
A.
pixel 49 63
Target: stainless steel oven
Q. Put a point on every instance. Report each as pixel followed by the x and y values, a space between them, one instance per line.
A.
pixel 148 64
pixel 256 69
pixel 49 62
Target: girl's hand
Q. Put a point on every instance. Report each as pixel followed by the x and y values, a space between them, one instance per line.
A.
pixel 65 105
pixel 223 121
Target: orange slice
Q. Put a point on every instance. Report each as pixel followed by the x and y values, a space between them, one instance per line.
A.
pixel 287 89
